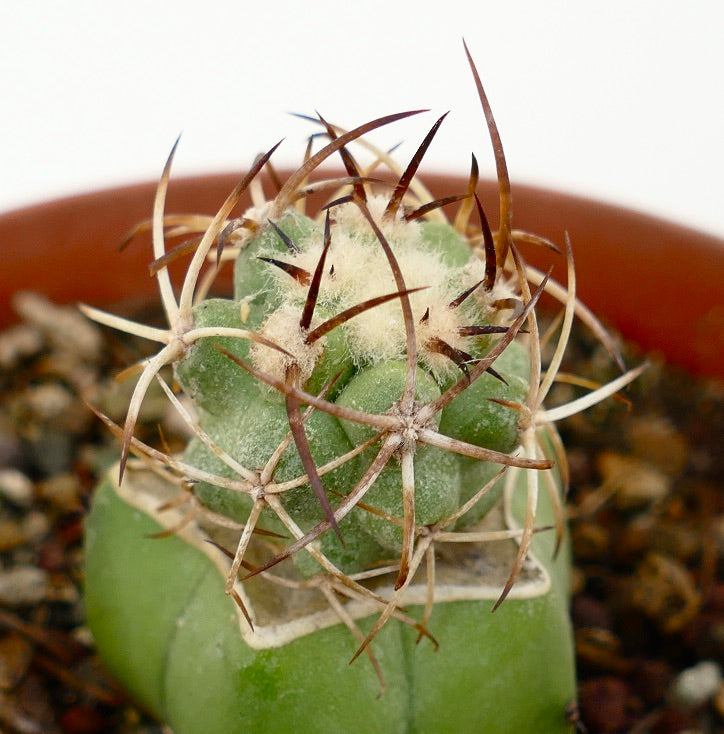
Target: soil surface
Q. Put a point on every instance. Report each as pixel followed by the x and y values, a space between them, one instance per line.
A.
pixel 645 501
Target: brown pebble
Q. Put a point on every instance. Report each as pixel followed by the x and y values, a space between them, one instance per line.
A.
pixel 651 680
pixel 718 701
pixel 62 491
pixel 672 720
pixel 83 720
pixel 11 535
pixel 664 591
pixel 600 650
pixel 603 704
pixel 635 484
pixel 590 540
pixel 16 652
pixel 589 612
pixel 657 441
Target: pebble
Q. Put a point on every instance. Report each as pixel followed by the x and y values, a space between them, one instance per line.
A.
pixel 636 483
pixel 35 526
pixel 719 700
pixel 657 441
pixel 64 327
pixel 16 487
pixel 62 491
pixel 603 702
pixel 11 535
pixel 49 401
pixel 18 343
pixel 695 686
pixel 664 590
pixel 23 585
pixel 16 652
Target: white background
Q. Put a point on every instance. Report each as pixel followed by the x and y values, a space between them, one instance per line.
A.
pixel 622 100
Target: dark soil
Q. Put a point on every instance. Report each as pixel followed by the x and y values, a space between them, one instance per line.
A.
pixel 647 527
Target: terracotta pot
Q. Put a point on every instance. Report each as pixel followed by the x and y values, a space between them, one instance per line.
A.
pixel 659 284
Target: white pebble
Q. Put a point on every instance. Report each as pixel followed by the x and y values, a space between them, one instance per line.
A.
pixel 696 685
pixel 16 487
pixel 64 326
pixel 17 343
pixel 23 586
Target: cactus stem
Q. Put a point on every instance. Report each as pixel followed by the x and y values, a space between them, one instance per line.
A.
pixel 394 433
pixel 390 445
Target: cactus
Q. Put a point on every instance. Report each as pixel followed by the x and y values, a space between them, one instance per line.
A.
pixel 371 465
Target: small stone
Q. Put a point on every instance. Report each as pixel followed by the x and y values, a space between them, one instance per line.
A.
pixel 62 491
pixel 588 612
pixel 11 535
pixel 695 686
pixel 16 652
pixel 590 540
pixel 16 487
pixel 18 343
pixel 49 401
pixel 636 484
pixel 603 704
pixel 64 327
pixel 652 680
pixel 35 526
pixel 664 591
pixel 23 585
pixel 719 700
pixel 61 589
pixel 657 441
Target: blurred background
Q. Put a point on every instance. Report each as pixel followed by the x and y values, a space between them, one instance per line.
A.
pixel 622 101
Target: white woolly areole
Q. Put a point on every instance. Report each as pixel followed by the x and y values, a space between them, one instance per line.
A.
pixel 282 328
pixel 357 269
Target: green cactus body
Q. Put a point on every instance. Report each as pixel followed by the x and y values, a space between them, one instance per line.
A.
pixel 365 359
pixel 196 664
pixel 371 468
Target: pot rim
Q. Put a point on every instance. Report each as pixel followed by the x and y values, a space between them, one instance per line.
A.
pixel 658 283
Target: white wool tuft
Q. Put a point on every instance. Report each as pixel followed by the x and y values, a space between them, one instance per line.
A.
pixel 282 328
pixel 357 269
